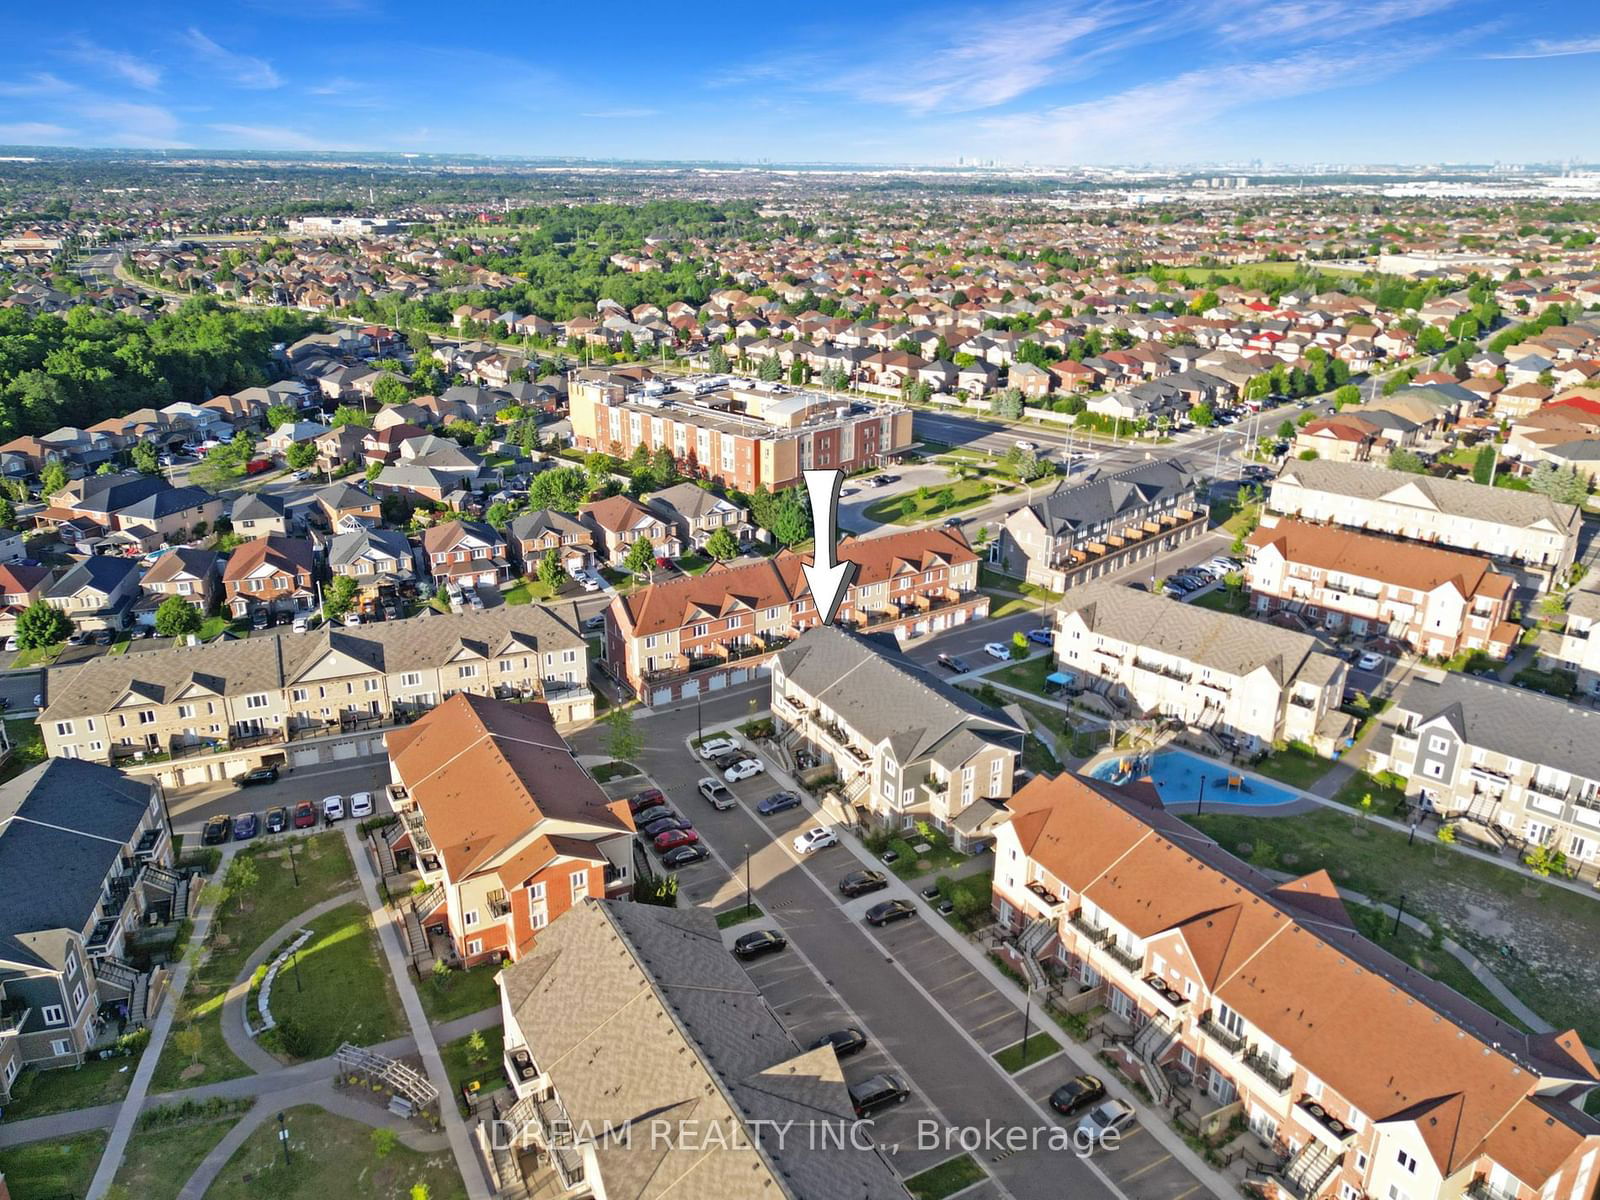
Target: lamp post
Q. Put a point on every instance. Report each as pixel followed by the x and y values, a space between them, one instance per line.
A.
pixel 1399 911
pixel 1201 805
pixel 1027 1014
pixel 283 1136
pixel 292 867
pixel 747 879
pixel 295 955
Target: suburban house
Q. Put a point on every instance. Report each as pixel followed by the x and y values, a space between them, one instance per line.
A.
pixel 680 637
pixel 618 522
pixel 374 558
pixel 906 747
pixel 1436 601
pixel 166 516
pixel 192 574
pixel 271 573
pixel 1101 523
pixel 341 445
pixel 1214 671
pixel 469 553
pixel 20 586
pixel 1515 763
pixel 696 513
pixel 1246 998
pixel 507 830
pixel 91 506
pixel 229 706
pixel 625 1009
pixel 1525 528
pixel 532 535
pixel 258 514
pixel 12 547
pixel 343 507
pixel 101 840
pixel 97 592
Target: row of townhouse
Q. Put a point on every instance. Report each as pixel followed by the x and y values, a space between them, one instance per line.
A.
pixel 1526 529
pixel 1100 523
pixel 1438 602
pixel 1249 999
pixel 1578 649
pixel 101 843
pixel 905 746
pixel 1518 765
pixel 1216 672
pixel 696 633
pixel 198 714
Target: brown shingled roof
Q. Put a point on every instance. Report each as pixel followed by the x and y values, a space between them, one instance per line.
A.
pixel 1403 564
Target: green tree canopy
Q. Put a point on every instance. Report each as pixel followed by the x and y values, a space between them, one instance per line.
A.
pixel 145 458
pixel 390 389
pixel 338 596
pixel 176 617
pixel 641 556
pixel 300 455
pixel 39 625
pixel 722 545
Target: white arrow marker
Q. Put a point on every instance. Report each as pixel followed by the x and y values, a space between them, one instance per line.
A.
pixel 826 577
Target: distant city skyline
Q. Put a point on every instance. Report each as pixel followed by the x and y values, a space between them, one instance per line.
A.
pixel 1059 84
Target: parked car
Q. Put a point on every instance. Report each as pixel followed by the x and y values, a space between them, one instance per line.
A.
pixel 1370 661
pixel 877 1092
pixel 361 804
pixel 654 813
pixel 245 827
pixel 718 746
pixel 259 776
pixel 845 1042
pixel 1104 1121
pixel 1042 637
pixel 594 623
pixel 305 815
pixel 860 883
pixel 951 662
pixel 1077 1094
pixel 997 650
pixel 816 839
pixel 103 637
pixel 333 808
pixel 761 941
pixel 277 819
pixel 649 798
pixel 683 856
pixel 217 830
pixel 664 825
pixel 951 523
pixel 778 802
pixel 725 760
pixel 1024 444
pixel 259 619
pixel 673 838
pixel 747 768
pixel 890 911
pixel 714 790
pixel 11 642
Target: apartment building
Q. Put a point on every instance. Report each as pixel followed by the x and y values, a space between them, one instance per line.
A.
pixel 1214 671
pixel 743 435
pixel 200 714
pixel 1247 998
pixel 682 637
pixel 1436 601
pixel 905 746
pixel 1525 528
pixel 632 1012
pixel 1516 763
pixel 508 831
pixel 1100 523
pixel 85 864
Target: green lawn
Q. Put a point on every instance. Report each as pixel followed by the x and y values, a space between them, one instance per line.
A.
pixel 41 656
pixel 1003 605
pixel 214 626
pixel 951 497
pixel 330 1156
pixel 486 1070
pixel 913 863
pixel 521 592
pixel 159 1161
pixel 38 1093
pixel 56 1168
pixel 325 871
pixel 988 577
pixel 693 563
pixel 1296 764
pixel 1028 675
pixel 27 747
pixel 1387 790
pixel 460 994
pixel 736 916
pixel 608 771
pixel 341 990
pixel 971 895
pixel 1224 599
pixel 1040 1047
pixel 946 1179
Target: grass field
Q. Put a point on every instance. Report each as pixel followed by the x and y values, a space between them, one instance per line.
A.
pixel 952 497
pixel 1298 766
pixel 39 1093
pixel 341 990
pixel 949 1177
pixel 486 1070
pixel 1029 675
pixel 736 916
pixel 58 1167
pixel 1040 1047
pixel 460 994
pixel 159 1161
pixel 27 747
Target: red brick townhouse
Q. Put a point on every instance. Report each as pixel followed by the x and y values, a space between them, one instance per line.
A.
pixel 694 634
pixel 1238 996
pixel 507 829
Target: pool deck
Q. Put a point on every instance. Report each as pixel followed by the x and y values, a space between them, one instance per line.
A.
pixel 1298 801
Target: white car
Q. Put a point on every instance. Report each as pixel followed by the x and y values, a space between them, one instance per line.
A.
pixel 361 804
pixel 1106 1120
pixel 746 768
pixel 815 839
pixel 1026 445
pixel 712 747
pixel 997 650
pixel 1370 661
pixel 590 582
pixel 333 808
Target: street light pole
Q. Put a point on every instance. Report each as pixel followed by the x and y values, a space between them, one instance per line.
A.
pixel 1399 911
pixel 1201 807
pixel 292 867
pixel 283 1136
pixel 1027 1013
pixel 747 900
pixel 295 954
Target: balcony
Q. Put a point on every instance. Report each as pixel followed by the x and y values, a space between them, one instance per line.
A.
pixel 1481 1189
pixel 1127 958
pixel 1328 1127
pixel 1174 999
pixel 1541 788
pixel 1096 934
pixel 1264 1070
pixel 521 1070
pixel 1169 672
pixel 12 1020
pixel 1227 1039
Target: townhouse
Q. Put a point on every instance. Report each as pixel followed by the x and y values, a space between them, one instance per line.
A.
pixel 618 522
pixel 1248 999
pixel 695 513
pixel 1438 602
pixel 1518 764
pixel 193 574
pixel 85 865
pixel 202 714
pixel 532 535
pixel 91 507
pixel 20 586
pixel 1100 523
pixel 1214 671
pixel 506 828
pixel 1578 649
pixel 270 575
pixel 379 560
pixel 681 637
pixel 1524 528
pixel 906 747
pixel 466 553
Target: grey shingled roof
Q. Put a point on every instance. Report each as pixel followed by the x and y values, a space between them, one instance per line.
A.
pixel 1454 496
pixel 639 1012
pixel 1104 495
pixel 164 503
pixel 348 547
pixel 1509 720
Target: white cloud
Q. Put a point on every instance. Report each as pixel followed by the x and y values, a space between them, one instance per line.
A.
pixel 1274 22
pixel 124 123
pixel 1550 48
pixel 271 137
pixel 32 132
pixel 137 71
pixel 39 83
pixel 620 114
pixel 242 70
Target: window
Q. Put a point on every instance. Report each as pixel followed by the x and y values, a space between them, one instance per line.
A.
pixel 186 712
pixel 1408 1161
pixel 259 700
pixel 1438 745
pixel 52 1014
pixel 580 885
pixel 373 684
pixel 63 728
pixel 475 946
pixel 147 716
pixel 468 671
pixel 1361 1161
pixel 1348 1192
pixel 297 695
pixel 72 961
pixel 410 679
pixel 77 996
pixel 61 1047
pixel 1432 769
pixel 469 918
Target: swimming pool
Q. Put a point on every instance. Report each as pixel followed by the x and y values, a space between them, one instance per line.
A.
pixel 1177 775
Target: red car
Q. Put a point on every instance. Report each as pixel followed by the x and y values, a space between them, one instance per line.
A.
pixel 305 815
pixel 648 798
pixel 674 838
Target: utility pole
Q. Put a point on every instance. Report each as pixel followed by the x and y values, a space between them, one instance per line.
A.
pixel 1399 911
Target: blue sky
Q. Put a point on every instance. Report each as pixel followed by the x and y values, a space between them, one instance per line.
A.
pixel 1091 81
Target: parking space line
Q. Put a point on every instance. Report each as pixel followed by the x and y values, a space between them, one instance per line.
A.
pixel 1149 1166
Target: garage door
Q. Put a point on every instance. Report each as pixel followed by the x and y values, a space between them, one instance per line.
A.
pixel 691 687
pixel 306 758
pixel 343 750
pixel 717 683
pixel 921 628
pixel 487 579
pixel 188 776
pixel 662 697
pixel 739 676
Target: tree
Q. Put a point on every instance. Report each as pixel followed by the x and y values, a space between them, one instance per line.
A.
pixel 421 1191
pixel 346 415
pixel 1483 465
pixel 1564 487
pixel 242 877
pixel 373 471
pixel 1202 415
pixel 1544 861
pixel 1348 394
pixel 300 455
pixel 280 414
pixel 599 467
pixel 442 978
pixel 390 389
pixel 771 369
pixel 551 573
pixel 722 545
pixel 500 514
pixel 1429 340
pixel 39 626
pixel 1405 460
pixel 176 617
pixel 145 458
pixel 338 596
pixel 188 1041
pixel 641 556
pixel 385 1140
pixel 52 479
pixel 1286 430
pixel 622 740
pixel 561 490
pixel 717 361
pixel 1008 404
pixel 8 513
pixel 477 1048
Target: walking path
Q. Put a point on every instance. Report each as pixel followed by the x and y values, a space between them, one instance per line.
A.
pixel 128 1111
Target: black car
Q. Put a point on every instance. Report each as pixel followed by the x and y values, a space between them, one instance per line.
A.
pixel 952 663
pixel 662 825
pixel 859 883
pixel 879 1091
pixel 682 856
pixel 259 775
pixel 762 941
pixel 645 815
pixel 724 761
pixel 952 522
pixel 277 819
pixel 890 911
pixel 845 1042
pixel 1077 1094
pixel 217 831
